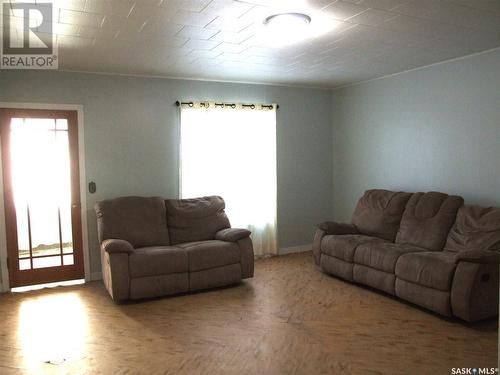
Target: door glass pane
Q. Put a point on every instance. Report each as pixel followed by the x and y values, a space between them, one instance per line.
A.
pixel 42 187
pixel 23 242
pixel 24 264
pixel 46 262
pixel 68 260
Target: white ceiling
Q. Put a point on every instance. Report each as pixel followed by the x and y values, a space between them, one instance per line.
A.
pixel 224 40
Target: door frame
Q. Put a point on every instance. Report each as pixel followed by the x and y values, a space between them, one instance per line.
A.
pixel 4 282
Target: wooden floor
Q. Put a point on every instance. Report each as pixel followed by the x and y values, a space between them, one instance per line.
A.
pixel 289 319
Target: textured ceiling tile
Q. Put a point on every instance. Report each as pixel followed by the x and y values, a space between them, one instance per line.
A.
pixel 230 47
pixel 201 44
pixel 93 32
pixel 110 7
pixel 343 10
pixel 77 5
pixel 189 5
pixel 147 12
pixel 80 18
pixel 126 25
pixel 192 18
pixel 236 38
pixel 383 4
pixel 372 17
pixel 228 8
pixel 231 24
pixel 196 32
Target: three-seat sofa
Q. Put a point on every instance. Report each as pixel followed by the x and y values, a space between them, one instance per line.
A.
pixel 427 248
pixel 152 247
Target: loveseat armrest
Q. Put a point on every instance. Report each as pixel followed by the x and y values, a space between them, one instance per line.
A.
pixel 334 228
pixel 478 256
pixel 232 234
pixel 115 246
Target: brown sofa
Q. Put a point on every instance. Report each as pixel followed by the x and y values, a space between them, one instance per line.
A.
pixel 426 248
pixel 152 247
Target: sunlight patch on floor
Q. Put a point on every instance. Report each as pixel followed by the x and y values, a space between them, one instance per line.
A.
pixel 29 288
pixel 52 329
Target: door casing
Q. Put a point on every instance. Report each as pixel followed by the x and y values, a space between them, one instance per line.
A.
pixel 4 281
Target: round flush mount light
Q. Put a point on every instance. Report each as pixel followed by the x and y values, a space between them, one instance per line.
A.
pixel 287 28
pixel 288 20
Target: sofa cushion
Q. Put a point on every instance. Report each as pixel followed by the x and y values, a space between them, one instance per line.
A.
pixel 141 221
pixel 382 255
pixel 157 260
pixel 196 219
pixel 427 219
pixel 434 269
pixel 210 254
pixel 378 213
pixel 476 228
pixel 344 246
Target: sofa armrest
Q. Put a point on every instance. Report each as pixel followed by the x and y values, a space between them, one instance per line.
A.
pixel 232 234
pixel 478 256
pixel 115 246
pixel 474 291
pixel 333 228
pixel 316 246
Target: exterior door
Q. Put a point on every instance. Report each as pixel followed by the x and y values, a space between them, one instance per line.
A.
pixel 42 195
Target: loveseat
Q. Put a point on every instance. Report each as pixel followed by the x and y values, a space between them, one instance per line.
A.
pixel 152 247
pixel 426 248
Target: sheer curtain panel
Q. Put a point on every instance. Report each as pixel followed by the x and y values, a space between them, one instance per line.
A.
pixel 230 150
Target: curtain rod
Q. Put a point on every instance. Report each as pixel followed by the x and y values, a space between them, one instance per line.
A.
pixel 231 105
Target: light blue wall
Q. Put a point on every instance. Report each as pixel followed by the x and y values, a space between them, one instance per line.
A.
pixel 131 138
pixel 436 128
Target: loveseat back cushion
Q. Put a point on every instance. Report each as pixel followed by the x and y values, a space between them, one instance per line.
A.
pixel 378 213
pixel 197 219
pixel 142 221
pixel 476 228
pixel 427 219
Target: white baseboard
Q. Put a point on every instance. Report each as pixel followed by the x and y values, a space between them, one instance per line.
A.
pixel 295 249
pixel 95 276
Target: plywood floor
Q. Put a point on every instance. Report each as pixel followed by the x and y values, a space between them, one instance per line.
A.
pixel 289 319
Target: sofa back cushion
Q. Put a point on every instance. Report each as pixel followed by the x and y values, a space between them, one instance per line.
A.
pixel 476 228
pixel 427 219
pixel 142 221
pixel 378 213
pixel 195 219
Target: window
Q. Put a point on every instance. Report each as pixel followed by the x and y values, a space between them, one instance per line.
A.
pixel 231 152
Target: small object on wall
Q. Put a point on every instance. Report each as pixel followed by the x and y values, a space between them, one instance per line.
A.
pixel 92 187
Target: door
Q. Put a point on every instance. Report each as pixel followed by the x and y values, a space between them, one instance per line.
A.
pixel 42 196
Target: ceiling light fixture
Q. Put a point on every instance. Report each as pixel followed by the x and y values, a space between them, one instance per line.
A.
pixel 288 19
pixel 287 28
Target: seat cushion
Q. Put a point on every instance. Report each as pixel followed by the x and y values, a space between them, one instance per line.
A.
pixel 382 255
pixel 203 255
pixel 434 269
pixel 157 260
pixel 378 213
pixel 344 246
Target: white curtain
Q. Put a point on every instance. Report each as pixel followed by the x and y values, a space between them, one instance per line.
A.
pixel 231 152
